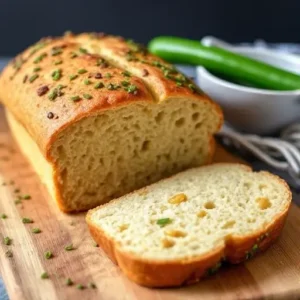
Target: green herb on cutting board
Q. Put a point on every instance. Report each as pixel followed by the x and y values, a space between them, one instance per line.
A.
pixel 48 254
pixel 80 287
pixel 36 230
pixel 45 275
pixel 7 241
pixel 69 247
pixel 69 281
pixel 27 220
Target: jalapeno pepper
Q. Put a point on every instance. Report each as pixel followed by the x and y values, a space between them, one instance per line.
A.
pixel 224 62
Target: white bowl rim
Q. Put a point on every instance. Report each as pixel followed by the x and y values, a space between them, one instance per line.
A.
pixel 281 56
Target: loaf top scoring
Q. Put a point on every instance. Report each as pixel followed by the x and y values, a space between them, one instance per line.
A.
pixel 58 81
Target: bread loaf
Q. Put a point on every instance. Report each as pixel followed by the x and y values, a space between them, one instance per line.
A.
pixel 180 229
pixel 98 117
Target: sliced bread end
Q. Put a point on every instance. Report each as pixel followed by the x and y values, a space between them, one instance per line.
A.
pixel 247 223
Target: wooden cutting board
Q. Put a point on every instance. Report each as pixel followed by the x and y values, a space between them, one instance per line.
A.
pixel 274 274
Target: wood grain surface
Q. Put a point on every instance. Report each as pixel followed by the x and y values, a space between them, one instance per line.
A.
pixel 274 274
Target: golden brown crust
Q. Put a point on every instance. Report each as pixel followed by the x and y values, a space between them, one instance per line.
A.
pixel 38 86
pixel 153 273
pixel 21 97
pixel 31 110
pixel 163 80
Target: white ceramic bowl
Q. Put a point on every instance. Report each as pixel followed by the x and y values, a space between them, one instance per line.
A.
pixel 250 109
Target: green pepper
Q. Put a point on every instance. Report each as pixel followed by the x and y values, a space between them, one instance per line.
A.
pixel 231 65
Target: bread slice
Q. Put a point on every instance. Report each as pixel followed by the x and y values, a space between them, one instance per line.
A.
pixel 180 229
pixel 98 125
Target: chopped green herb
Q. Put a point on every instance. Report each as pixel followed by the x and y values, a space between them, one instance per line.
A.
pixel 40 58
pixel 87 82
pixel 69 247
pixel 108 75
pixel 56 51
pixel 56 75
pixel 3 216
pixel 131 57
pixel 82 71
pixel 98 85
pixel 36 230
pixel 75 98
pixel 52 96
pixel 73 55
pixel 82 50
pixel 125 83
pixel 44 275
pixel 27 220
pixel 92 285
pixel 192 87
pixel 56 92
pixel 132 89
pixel 126 74
pixel 36 69
pixel 157 64
pixel 214 269
pixel 166 73
pixel 18 201
pixel 101 63
pixel 8 253
pixel 37 47
pixel 133 46
pixel 87 96
pixel 252 252
pixel 16 190
pixel 80 287
pixel 72 77
pixel 163 222
pixel 26 197
pixel 7 241
pixel 179 83
pixel 69 281
pixel 58 62
pixel 18 63
pixel 48 255
pixel 33 78
pixel 112 86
